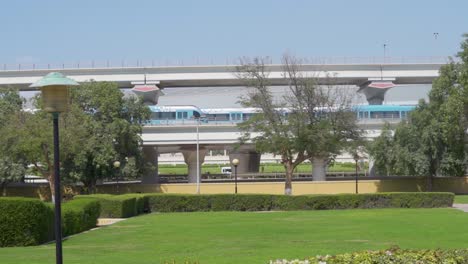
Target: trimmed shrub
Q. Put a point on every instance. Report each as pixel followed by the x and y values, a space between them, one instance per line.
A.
pixel 127 205
pixel 257 202
pixel 393 255
pixel 114 206
pixel 178 203
pixel 79 215
pixel 24 222
pixel 141 203
pixel 262 202
pixel 363 201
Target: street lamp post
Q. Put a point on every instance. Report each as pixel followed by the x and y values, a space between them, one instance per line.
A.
pixel 198 154
pixel 356 159
pixel 235 162
pixel 117 167
pixel 54 88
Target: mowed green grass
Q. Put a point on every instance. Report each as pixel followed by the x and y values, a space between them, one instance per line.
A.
pixel 462 199
pixel 181 169
pixel 253 237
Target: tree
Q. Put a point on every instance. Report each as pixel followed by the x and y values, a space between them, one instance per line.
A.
pixel 12 167
pixel 113 125
pixel 381 151
pixel 313 121
pixel 433 140
pixel 102 126
pixel 10 171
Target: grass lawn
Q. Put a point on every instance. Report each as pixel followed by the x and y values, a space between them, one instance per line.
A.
pixel 181 169
pixel 462 199
pixel 252 237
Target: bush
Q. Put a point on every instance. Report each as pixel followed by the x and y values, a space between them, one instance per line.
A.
pixel 394 255
pixel 141 203
pixel 115 206
pixel 264 202
pixel 178 203
pixel 127 205
pixel 79 215
pixel 363 201
pixel 24 222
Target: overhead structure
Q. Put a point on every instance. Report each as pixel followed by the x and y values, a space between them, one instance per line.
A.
pixel 149 92
pixel 375 90
pixel 222 75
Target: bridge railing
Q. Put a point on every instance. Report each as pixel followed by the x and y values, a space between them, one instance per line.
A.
pixel 167 123
pixel 149 63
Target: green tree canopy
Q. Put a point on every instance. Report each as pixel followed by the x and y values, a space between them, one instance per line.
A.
pixel 433 140
pixel 101 127
pixel 313 121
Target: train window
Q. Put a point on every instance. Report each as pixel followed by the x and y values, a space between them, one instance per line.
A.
pixel 403 114
pixel 385 114
pixel 363 115
pixel 236 116
pixel 218 117
pixel 182 115
pixel 196 114
pixel 163 115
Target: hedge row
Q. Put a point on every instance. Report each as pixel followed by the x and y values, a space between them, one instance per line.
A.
pixel 27 221
pixel 24 222
pixel 118 206
pixel 260 202
pixel 79 215
pixel 390 256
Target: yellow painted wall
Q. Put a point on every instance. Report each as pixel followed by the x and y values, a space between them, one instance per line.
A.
pixel 413 184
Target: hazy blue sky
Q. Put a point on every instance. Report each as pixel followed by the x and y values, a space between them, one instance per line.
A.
pixel 48 31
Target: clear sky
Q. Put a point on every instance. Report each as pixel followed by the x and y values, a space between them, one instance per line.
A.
pixel 48 31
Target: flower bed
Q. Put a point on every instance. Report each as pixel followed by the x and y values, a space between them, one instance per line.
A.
pixel 390 256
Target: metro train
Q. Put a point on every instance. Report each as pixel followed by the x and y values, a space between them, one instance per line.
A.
pixel 188 113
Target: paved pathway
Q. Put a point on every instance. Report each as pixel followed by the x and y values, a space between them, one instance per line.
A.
pixel 463 207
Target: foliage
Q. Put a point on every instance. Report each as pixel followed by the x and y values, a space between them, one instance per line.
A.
pixel 10 103
pixel 141 203
pixel 101 127
pixel 433 140
pixel 113 125
pixel 10 171
pixel 79 215
pixel 24 222
pixel 389 256
pixel 115 206
pixel 266 202
pixel 313 121
pixel 12 165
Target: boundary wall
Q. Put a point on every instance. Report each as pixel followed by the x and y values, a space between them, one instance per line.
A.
pixel 458 185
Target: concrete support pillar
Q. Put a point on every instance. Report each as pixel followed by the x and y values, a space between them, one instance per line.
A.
pixel 249 161
pixel 375 91
pixel 190 157
pixel 150 156
pixel 319 169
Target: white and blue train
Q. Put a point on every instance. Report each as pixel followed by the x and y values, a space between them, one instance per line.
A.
pixel 188 113
pixel 173 114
